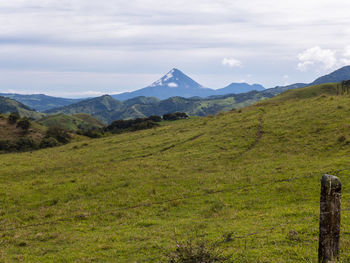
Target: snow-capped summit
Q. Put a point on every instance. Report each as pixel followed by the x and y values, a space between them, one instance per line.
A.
pixel 176 78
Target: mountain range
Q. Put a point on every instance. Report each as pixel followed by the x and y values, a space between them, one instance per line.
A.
pixel 176 83
pixel 8 105
pixel 40 102
pixel 107 108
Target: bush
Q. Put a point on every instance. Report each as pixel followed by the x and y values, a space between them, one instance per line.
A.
pixel 49 142
pixel 6 145
pixel 143 125
pixel 198 252
pixel 91 133
pixel 131 125
pixel 25 144
pixel 13 117
pixel 155 118
pixel 175 116
pixel 24 124
pixel 61 135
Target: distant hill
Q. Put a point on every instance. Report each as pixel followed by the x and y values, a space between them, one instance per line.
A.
pixel 101 108
pixel 236 88
pixel 336 76
pixel 9 105
pixel 177 84
pixel 71 122
pixel 304 93
pixel 14 137
pixel 107 109
pixel 40 102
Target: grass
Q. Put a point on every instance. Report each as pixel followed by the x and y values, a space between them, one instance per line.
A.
pixel 220 177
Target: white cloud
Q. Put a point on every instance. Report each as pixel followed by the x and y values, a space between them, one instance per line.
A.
pixel 123 37
pixel 317 56
pixel 347 52
pixel 231 62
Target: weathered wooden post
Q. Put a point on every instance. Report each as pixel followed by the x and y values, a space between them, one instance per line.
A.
pixel 328 250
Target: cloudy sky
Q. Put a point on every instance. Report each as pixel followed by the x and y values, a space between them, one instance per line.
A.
pixel 76 48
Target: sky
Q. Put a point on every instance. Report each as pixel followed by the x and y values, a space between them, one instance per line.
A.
pixel 84 48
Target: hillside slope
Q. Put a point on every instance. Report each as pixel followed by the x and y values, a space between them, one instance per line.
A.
pixel 40 102
pixel 9 105
pixel 335 76
pixel 71 122
pixel 247 180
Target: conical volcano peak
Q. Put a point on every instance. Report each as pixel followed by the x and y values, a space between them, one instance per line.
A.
pixel 176 78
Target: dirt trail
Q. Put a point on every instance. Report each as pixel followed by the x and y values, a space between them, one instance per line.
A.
pixel 259 135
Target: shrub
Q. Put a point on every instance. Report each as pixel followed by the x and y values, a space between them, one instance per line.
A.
pixel 130 125
pixel 25 144
pixel 61 135
pixel 143 125
pixel 198 252
pixel 24 124
pixel 49 142
pixel 92 133
pixel 13 117
pixel 175 116
pixel 6 145
pixel 155 118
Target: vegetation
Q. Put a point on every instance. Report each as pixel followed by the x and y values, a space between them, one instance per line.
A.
pixel 59 134
pixel 21 134
pixel 23 123
pixel 175 116
pixel 13 118
pixel 40 102
pixel 73 123
pixel 107 109
pixel 247 180
pixel 120 126
pixel 8 106
pixel 194 252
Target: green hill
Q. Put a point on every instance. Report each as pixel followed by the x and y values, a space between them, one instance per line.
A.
pixel 9 105
pixel 71 122
pixel 107 109
pixel 247 180
pixel 40 102
pixel 11 133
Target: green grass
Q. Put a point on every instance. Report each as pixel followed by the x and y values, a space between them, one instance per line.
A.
pixel 94 185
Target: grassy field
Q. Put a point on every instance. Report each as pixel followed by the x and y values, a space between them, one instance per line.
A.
pixel 132 197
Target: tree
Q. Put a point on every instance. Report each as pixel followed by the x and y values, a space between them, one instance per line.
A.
pixel 13 117
pixel 155 118
pixel 175 116
pixel 24 124
pixel 61 135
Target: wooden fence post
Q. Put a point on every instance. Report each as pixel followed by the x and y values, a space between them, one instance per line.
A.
pixel 328 250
